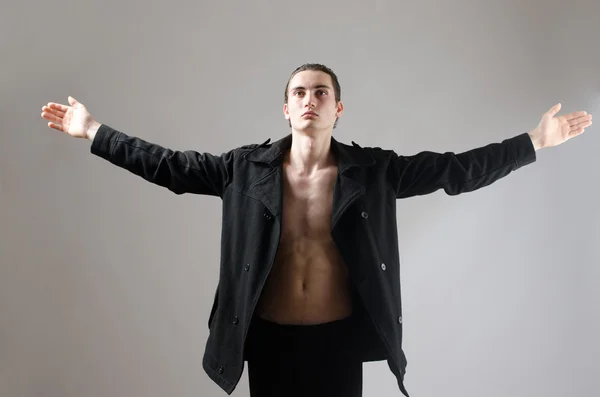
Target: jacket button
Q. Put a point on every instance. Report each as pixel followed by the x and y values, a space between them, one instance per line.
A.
pixel 236 320
pixel 364 215
pixel 221 370
pixel 399 320
pixel 247 267
pixel 383 266
pixel 267 215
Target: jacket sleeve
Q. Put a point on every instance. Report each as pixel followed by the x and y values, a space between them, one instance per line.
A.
pixel 427 172
pixel 179 171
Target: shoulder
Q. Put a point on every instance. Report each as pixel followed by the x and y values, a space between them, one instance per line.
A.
pixel 249 147
pixel 377 152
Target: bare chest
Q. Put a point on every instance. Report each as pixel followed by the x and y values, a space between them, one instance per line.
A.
pixel 309 281
pixel 307 205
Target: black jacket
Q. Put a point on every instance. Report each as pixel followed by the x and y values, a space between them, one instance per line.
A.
pixel 248 179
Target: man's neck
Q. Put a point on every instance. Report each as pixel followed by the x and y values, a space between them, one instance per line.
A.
pixel 310 153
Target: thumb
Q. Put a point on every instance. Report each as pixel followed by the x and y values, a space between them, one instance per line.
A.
pixel 73 101
pixel 554 109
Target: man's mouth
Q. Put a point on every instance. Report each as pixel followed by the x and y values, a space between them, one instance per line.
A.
pixel 309 114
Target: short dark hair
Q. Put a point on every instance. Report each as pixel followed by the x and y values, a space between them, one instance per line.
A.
pixel 337 90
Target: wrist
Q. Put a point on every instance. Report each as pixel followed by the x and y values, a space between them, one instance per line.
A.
pixel 92 129
pixel 535 140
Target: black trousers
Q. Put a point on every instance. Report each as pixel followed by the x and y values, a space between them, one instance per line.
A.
pixel 303 360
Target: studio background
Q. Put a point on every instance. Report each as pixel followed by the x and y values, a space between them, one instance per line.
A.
pixel 106 281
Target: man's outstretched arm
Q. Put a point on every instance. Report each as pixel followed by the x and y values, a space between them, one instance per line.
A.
pixel 179 171
pixel 427 172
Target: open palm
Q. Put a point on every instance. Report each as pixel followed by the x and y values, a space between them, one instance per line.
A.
pixel 553 130
pixel 74 120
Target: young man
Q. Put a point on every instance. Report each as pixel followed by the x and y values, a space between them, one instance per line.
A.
pixel 309 284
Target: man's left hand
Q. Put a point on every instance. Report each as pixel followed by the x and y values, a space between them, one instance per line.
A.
pixel 554 130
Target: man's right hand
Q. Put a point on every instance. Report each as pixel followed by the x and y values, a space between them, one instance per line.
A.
pixel 74 120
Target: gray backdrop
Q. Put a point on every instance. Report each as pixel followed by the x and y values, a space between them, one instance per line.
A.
pixel 106 281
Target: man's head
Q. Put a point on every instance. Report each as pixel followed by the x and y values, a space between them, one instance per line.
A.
pixel 312 88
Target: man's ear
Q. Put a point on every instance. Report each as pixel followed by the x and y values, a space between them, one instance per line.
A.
pixel 285 112
pixel 340 109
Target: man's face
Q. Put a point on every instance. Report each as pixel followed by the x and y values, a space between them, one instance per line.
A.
pixel 311 102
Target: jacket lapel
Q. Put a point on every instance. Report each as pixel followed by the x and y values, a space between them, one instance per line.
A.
pixel 350 184
pixel 267 186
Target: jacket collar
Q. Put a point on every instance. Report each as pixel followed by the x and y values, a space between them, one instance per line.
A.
pixel 347 156
pixel 268 188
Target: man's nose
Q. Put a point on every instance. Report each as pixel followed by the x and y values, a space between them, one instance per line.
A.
pixel 309 100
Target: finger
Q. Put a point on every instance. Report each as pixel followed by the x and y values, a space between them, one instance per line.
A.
pixel 54 111
pixel 580 120
pixel 575 115
pixel 575 132
pixel 56 127
pixel 58 106
pixel 51 117
pixel 579 128
pixel 583 124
